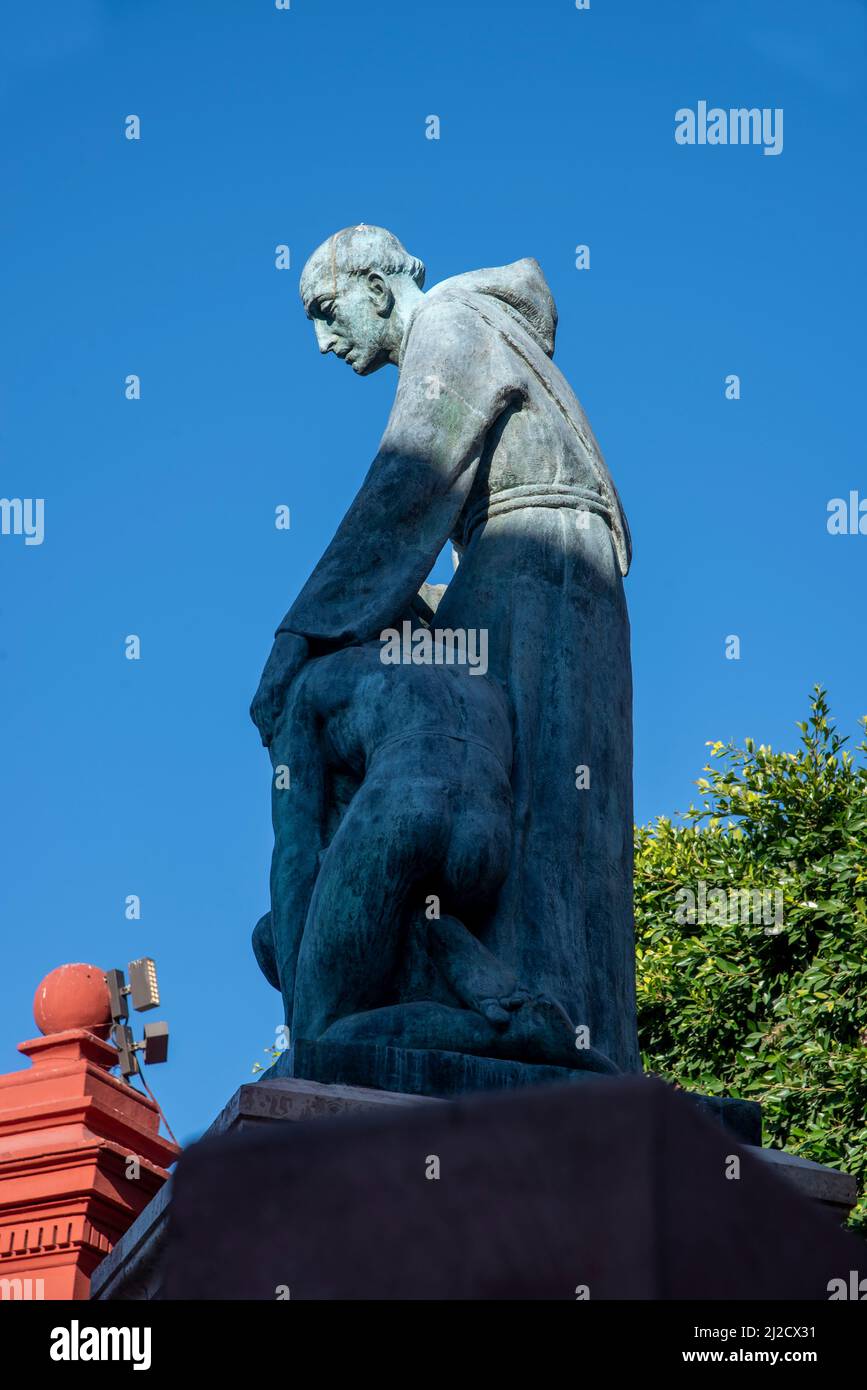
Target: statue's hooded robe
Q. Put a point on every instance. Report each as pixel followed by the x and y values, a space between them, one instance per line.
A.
pixel 488 446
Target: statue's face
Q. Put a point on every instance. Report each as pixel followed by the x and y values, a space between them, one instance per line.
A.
pixel 350 318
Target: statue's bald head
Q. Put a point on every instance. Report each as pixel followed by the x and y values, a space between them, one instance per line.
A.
pixel 358 288
pixel 355 251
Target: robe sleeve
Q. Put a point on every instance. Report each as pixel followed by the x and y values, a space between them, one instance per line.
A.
pixel 454 382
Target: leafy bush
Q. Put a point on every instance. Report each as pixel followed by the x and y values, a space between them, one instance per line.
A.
pixel 774 1009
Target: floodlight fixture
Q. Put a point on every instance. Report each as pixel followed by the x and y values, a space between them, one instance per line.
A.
pixel 143 984
pixel 156 1043
pixel 144 992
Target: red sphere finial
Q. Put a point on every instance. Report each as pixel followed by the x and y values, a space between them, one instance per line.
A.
pixel 73 996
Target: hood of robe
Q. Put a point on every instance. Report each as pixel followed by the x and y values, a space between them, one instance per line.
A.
pixel 522 288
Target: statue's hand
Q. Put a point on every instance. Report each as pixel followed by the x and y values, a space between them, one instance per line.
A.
pixel 502 1011
pixel 288 655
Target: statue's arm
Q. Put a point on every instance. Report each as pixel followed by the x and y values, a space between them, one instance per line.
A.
pixel 454 383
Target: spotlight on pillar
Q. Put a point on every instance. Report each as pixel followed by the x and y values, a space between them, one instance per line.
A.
pixel 144 991
pixel 156 1043
pixel 143 984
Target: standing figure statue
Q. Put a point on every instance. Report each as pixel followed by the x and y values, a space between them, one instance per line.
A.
pixel 511 790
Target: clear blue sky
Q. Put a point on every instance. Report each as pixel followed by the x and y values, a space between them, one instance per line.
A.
pixel 156 257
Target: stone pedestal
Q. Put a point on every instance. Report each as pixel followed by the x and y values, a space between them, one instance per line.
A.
pixel 134 1270
pixel 620 1190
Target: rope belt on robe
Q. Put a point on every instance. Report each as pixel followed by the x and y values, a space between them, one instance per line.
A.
pixel 512 499
pixel 615 516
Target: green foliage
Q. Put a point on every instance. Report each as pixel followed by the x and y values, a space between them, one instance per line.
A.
pixel 273 1052
pixel 764 1010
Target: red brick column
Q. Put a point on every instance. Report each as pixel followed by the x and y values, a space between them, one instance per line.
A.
pixel 80 1150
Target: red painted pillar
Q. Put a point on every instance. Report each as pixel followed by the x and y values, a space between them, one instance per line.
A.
pixel 80 1150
